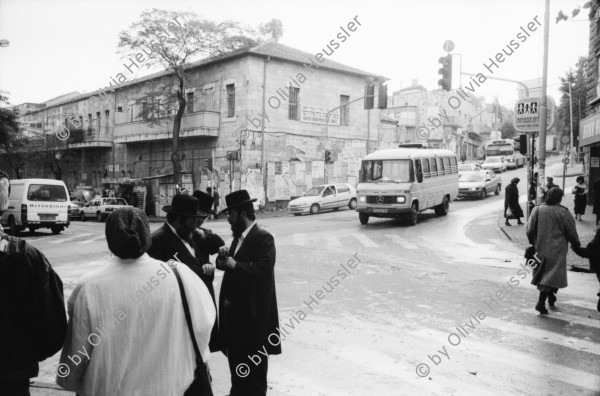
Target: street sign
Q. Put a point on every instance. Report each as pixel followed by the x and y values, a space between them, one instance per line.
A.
pixel 527 114
pixel 566 161
pixel 565 139
pixel 448 45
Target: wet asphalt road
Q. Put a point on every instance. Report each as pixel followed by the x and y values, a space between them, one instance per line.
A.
pixel 443 307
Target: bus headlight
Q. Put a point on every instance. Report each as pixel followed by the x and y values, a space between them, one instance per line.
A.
pixel 400 199
pixel 362 199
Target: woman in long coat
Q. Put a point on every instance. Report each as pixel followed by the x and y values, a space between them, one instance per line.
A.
pixel 580 192
pixel 511 200
pixel 550 229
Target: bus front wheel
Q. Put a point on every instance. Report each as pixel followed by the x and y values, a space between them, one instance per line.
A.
pixel 412 216
pixel 363 217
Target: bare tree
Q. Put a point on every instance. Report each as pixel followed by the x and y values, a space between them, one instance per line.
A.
pixel 175 39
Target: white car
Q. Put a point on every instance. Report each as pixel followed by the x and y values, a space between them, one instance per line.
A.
pixel 100 208
pixel 496 164
pixel 326 196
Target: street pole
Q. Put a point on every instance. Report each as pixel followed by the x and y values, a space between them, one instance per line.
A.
pixel 543 107
pixel 571 119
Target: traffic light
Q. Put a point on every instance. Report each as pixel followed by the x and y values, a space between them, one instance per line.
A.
pixel 209 163
pixel 370 96
pixel 446 72
pixel 327 156
pixel 382 97
pixel 523 144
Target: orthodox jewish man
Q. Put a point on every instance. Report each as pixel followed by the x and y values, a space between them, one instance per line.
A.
pixel 248 302
pixel 181 239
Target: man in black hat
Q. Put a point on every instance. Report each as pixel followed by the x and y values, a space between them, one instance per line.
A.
pixel 33 321
pixel 181 239
pixel 248 302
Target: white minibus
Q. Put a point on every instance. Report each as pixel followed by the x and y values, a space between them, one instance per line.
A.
pixel 37 203
pixel 405 181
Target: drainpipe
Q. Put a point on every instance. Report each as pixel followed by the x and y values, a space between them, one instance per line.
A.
pixel 262 129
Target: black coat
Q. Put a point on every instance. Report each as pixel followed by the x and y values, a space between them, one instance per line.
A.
pixel 591 251
pixel 33 321
pixel 248 301
pixel 511 200
pixel 165 244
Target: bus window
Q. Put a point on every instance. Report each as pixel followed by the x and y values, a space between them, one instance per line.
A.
pixel 440 166
pixel 433 165
pixel 453 164
pixel 426 172
pixel 418 170
pixel 447 169
pixel 400 171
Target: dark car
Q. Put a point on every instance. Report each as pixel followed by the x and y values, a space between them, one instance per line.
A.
pixel 75 209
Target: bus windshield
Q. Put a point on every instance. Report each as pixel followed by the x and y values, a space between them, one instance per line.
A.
pixel 398 171
pixel 496 150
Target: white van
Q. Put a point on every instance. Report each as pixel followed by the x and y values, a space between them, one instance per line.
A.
pixel 37 203
pixel 405 181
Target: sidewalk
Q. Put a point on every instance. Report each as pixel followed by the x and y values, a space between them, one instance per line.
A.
pixel 586 228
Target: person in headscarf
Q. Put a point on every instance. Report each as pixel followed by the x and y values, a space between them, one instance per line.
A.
pixel 580 192
pixel 511 201
pixel 550 229
pixel 127 332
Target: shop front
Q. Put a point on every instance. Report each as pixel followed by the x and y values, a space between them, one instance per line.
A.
pixel 162 190
pixel 589 140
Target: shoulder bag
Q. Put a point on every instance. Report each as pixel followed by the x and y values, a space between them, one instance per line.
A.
pixel 201 386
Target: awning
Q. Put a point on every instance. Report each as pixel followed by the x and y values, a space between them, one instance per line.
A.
pixel 589 130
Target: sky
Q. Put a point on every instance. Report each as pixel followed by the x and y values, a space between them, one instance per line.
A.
pixel 60 46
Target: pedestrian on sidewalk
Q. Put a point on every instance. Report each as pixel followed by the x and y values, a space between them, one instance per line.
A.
pixel 580 191
pixel 248 301
pixel 128 333
pixel 33 321
pixel 550 229
pixel 592 252
pixel 550 183
pixel 511 201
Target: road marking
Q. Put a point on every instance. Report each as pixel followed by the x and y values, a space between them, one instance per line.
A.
pixel 366 241
pixel 582 304
pixel 543 335
pixel 402 242
pixel 332 240
pixel 573 319
pixel 300 239
pixel 61 240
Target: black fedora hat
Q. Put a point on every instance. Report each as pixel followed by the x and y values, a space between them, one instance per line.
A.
pixel 205 202
pixel 237 198
pixel 184 205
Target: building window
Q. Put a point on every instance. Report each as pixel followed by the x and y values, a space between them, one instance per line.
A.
pixel 293 109
pixel 209 93
pixel 190 102
pixel 106 120
pixel 98 121
pixel 230 100
pixel 345 110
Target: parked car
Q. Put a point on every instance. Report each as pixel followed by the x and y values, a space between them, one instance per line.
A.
pixel 474 166
pixel 75 209
pixel 478 184
pixel 325 196
pixel 496 164
pixel 100 208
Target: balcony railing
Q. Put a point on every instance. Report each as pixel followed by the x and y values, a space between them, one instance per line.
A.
pixel 90 137
pixel 200 123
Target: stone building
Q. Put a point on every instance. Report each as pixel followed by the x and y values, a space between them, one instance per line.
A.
pixel 111 146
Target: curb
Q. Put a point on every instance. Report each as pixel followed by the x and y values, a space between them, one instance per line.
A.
pixel 506 233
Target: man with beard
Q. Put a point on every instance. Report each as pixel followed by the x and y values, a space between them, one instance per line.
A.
pixel 181 239
pixel 248 302
pixel 33 321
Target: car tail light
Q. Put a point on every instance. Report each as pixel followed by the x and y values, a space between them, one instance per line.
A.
pixel 23 214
